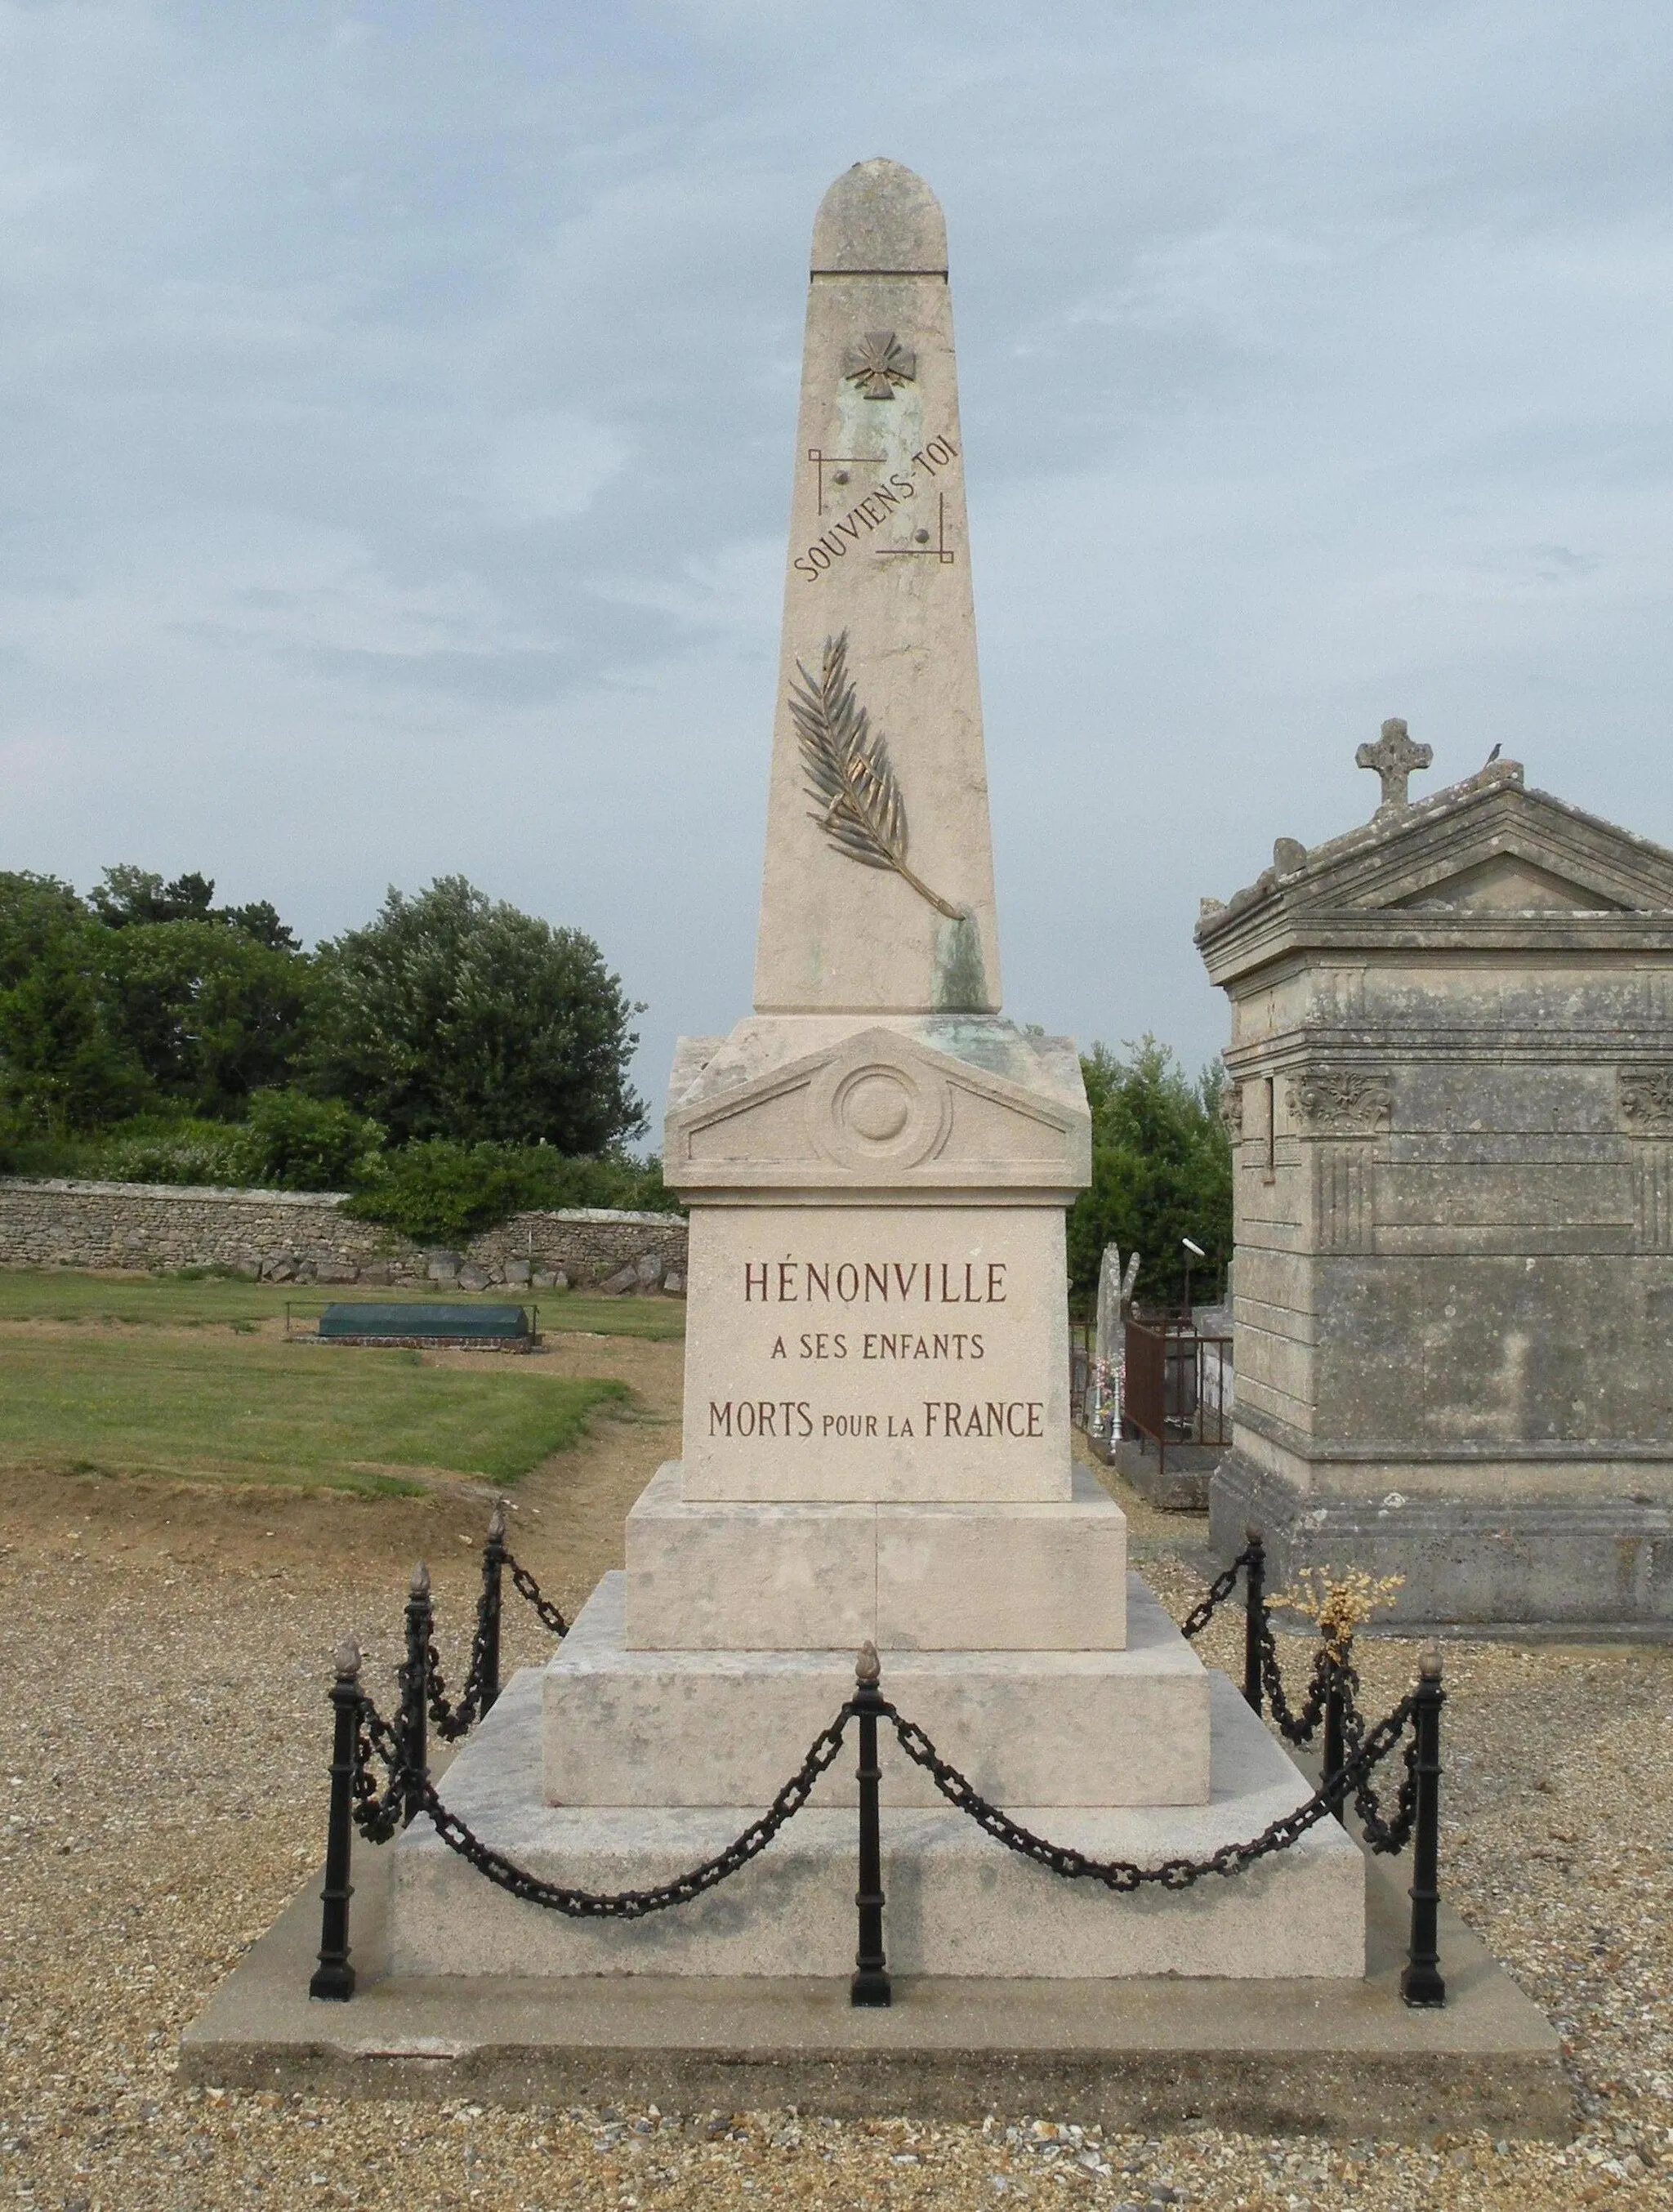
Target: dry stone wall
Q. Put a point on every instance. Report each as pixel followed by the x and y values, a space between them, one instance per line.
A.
pixel 306 1237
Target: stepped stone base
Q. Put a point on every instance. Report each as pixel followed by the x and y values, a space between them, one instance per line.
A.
pixel 726 1727
pixel 957 1903
pixel 726 1576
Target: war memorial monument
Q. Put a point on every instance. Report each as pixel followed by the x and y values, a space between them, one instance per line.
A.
pixel 876 1465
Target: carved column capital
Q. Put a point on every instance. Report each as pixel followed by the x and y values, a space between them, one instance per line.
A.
pixel 1644 1101
pixel 1340 1102
pixel 1230 1109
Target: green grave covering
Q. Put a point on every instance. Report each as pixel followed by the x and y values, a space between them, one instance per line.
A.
pixel 477 1323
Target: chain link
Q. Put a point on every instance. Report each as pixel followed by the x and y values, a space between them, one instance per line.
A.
pixel 527 1586
pixel 1218 1590
pixel 377 1816
pixel 1124 1874
pixel 638 1904
pixel 377 1812
pixel 453 1721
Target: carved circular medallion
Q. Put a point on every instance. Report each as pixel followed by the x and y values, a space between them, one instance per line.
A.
pixel 877 1116
pixel 875 1107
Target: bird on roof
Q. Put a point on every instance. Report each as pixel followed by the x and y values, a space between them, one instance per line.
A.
pixel 1493 756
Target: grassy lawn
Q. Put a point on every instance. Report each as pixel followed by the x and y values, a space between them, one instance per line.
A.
pixel 187 1301
pixel 310 1416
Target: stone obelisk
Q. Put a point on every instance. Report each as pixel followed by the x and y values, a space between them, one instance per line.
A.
pixel 876 1438
pixel 878 606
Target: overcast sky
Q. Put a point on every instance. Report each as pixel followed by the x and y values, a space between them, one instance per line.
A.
pixel 398 410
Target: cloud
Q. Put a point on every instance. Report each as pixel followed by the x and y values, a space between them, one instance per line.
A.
pixel 399 407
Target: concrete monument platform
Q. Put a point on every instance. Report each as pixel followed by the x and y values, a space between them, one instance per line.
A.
pixel 1343 2058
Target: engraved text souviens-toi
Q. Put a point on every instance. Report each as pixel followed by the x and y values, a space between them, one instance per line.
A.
pixel 887 495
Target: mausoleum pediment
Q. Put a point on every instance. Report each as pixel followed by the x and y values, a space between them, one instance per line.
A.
pixel 1508 883
pixel 879 1107
pixel 1485 855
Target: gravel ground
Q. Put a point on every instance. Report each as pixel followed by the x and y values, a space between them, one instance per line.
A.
pixel 161 1756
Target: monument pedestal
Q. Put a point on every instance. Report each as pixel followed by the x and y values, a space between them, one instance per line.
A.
pixel 957 1903
pixel 729 1576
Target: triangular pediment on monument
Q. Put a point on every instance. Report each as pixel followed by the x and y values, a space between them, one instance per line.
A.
pixel 1487 853
pixel 915 1103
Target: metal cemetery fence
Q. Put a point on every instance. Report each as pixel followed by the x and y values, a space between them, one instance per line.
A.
pixel 1175 1390
pixel 1351 1750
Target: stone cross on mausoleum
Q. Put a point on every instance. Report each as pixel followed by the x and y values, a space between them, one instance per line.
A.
pixel 1394 756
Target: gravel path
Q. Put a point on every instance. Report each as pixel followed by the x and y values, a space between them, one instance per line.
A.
pixel 161 1757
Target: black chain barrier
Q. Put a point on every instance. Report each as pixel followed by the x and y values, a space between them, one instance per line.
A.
pixel 638 1904
pixel 1352 1753
pixel 1124 1874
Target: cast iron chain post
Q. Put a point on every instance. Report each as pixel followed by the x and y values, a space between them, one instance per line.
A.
pixel 870 1985
pixel 1253 1615
pixel 415 1691
pixel 494 1557
pixel 1334 1751
pixel 334 1977
pixel 1421 1983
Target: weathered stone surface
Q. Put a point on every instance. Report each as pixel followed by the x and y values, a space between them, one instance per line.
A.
pixel 849 1351
pixel 719 1576
pixel 1454 1205
pixel 878 570
pixel 958 1903
pixel 1127 1727
pixel 932 1103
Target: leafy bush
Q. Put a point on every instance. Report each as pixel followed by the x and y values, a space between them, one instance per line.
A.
pixel 1161 1170
pixel 293 1142
pixel 176 1151
pixel 440 1193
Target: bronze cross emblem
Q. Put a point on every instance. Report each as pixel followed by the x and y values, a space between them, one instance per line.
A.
pixel 1394 756
pixel 878 362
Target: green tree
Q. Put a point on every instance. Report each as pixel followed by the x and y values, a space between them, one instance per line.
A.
pixel 1161 1170
pixel 455 1016
pixel 439 1192
pixel 64 1067
pixel 210 1014
pixel 129 895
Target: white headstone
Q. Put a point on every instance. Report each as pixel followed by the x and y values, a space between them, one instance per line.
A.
pixel 1109 1305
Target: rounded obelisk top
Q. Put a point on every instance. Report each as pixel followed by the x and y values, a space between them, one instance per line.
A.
pixel 879 219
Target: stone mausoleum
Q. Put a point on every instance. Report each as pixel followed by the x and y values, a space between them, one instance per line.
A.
pixel 1451 1108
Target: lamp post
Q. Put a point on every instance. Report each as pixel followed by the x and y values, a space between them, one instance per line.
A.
pixel 1192 1251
